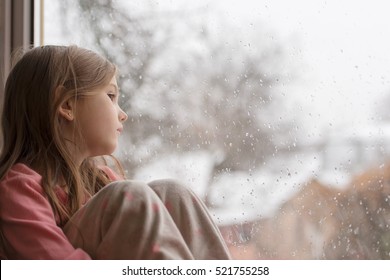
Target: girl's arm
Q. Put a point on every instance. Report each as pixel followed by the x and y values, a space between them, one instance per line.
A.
pixel 111 173
pixel 28 223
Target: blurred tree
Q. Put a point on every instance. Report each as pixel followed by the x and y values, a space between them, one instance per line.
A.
pixel 231 89
pixel 187 86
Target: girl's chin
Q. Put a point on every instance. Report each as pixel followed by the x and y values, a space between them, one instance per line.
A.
pixel 104 152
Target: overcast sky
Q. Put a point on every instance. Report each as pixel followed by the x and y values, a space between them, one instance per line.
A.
pixel 343 49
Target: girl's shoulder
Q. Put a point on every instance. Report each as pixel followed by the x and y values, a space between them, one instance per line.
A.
pixel 21 173
pixel 20 181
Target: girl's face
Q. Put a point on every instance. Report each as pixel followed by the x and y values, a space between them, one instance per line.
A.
pixel 100 120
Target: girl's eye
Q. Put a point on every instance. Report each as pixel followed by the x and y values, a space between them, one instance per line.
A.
pixel 111 96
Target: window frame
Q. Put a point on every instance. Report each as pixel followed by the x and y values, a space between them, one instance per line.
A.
pixel 16 31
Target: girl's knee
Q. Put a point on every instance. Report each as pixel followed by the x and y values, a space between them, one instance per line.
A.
pixel 170 187
pixel 164 183
pixel 127 190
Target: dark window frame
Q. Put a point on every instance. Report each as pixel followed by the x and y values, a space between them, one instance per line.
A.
pixel 16 31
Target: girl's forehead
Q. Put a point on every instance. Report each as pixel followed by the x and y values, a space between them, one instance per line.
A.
pixel 114 82
pixel 111 83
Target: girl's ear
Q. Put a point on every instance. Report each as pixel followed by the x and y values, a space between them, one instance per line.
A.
pixel 66 109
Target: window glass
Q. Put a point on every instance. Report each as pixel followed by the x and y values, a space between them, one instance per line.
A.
pixel 274 112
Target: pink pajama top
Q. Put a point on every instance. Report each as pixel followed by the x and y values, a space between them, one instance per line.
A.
pixel 28 224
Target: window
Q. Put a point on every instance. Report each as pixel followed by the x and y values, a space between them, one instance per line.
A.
pixel 275 112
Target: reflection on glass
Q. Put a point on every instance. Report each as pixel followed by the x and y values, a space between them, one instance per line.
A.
pixel 274 112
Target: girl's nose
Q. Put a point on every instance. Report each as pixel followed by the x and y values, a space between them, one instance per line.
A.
pixel 122 115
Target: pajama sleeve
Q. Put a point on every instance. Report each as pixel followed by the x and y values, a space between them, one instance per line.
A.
pixel 28 223
pixel 112 175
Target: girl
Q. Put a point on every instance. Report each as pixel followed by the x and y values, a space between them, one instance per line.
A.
pixel 58 198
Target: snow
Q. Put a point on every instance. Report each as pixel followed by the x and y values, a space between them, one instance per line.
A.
pixel 192 168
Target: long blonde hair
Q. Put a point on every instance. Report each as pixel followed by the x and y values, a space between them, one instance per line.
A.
pixel 31 121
